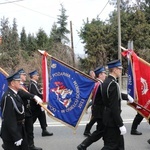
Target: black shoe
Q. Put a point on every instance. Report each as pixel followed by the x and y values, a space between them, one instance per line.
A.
pixel 46 133
pixel 148 141
pixel 87 134
pixel 81 147
pixel 135 132
pixel 34 148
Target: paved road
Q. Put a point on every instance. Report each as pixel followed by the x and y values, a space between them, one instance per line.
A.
pixel 64 137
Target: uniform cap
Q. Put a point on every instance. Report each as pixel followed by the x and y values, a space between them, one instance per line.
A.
pixel 15 76
pixel 99 70
pixel 33 73
pixel 115 63
pixel 21 71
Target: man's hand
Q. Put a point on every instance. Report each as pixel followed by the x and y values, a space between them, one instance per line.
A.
pixel 123 130
pixel 18 143
pixel 131 100
pixel 38 99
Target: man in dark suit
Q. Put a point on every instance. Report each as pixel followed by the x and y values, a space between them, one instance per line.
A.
pixel 27 97
pixel 97 111
pixel 13 116
pixel 114 127
pixel 37 111
pixel 137 120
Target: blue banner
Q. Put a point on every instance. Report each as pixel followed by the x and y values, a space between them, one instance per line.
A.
pixel 130 83
pixel 69 93
pixel 3 86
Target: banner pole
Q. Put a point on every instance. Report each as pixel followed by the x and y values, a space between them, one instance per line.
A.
pixel 4 72
pixel 69 66
pixel 142 107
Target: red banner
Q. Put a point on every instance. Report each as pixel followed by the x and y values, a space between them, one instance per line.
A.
pixel 142 82
pixel 45 77
pixel 141 79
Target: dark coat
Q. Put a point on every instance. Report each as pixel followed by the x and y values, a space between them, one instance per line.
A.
pixel 112 101
pixel 11 130
pixel 26 97
pixel 98 106
pixel 34 89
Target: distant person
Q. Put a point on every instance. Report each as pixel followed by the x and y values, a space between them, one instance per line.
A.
pixel 97 112
pixel 100 74
pixel 92 74
pixel 37 111
pixel 137 120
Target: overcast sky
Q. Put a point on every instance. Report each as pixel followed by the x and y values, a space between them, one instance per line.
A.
pixel 35 14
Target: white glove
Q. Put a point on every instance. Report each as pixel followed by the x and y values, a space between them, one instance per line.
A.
pixel 18 143
pixel 131 100
pixel 38 99
pixel 123 130
pixel 42 109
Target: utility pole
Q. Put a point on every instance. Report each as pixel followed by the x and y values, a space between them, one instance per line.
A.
pixel 117 2
pixel 119 39
pixel 0 40
pixel 72 46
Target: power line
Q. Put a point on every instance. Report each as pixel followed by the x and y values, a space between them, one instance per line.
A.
pixel 13 2
pixel 34 10
pixel 97 16
pixel 103 8
pixel 10 2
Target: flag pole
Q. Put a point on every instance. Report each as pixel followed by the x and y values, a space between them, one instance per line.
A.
pixel 82 73
pixel 139 106
pixel 6 74
pixel 137 56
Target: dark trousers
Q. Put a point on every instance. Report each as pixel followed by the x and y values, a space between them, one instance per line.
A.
pixel 40 115
pixel 29 130
pixel 98 133
pixel 9 145
pixel 137 120
pixel 91 123
pixel 112 139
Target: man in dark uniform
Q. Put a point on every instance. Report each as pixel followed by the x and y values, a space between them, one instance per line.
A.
pixel 37 111
pixel 27 97
pixel 13 116
pixel 97 111
pixel 114 127
pixel 137 120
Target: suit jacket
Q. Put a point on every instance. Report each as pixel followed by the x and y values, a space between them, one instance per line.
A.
pixel 27 98
pixel 11 130
pixel 98 105
pixel 112 100
pixel 35 89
